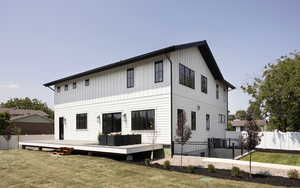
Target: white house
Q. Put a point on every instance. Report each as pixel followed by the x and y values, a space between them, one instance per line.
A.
pixel 145 95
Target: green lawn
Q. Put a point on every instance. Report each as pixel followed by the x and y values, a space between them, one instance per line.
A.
pixel 277 158
pixel 22 168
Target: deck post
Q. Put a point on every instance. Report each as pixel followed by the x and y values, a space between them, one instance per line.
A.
pixel 90 153
pixel 40 148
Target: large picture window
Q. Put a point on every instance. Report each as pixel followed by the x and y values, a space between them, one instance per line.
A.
pixel 203 84
pixel 143 120
pixel 130 78
pixel 81 121
pixel 186 76
pixel 159 71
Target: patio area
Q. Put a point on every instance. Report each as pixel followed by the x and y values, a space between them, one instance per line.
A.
pixel 91 146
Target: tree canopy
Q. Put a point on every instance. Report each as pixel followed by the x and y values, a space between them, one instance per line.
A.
pixel 29 104
pixel 277 93
pixel 240 114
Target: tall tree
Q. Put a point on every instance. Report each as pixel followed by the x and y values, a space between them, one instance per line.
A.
pixel 277 93
pixel 30 104
pixel 240 114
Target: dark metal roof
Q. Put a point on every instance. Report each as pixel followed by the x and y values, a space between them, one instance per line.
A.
pixel 202 45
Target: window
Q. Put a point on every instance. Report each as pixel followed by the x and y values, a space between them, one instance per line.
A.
pixel 180 118
pixel 193 118
pixel 225 95
pixel 217 91
pixel 87 82
pixel 203 84
pixel 66 87
pixel 159 71
pixel 130 78
pixel 207 122
pixel 111 123
pixel 74 85
pixel 81 121
pixel 222 118
pixel 186 76
pixel 58 89
pixel 143 120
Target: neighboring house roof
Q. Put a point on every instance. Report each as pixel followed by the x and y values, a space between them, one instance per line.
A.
pixel 202 46
pixel 33 118
pixel 242 123
pixel 22 112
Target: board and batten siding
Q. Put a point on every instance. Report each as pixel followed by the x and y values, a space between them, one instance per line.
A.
pixel 189 99
pixel 108 93
pixel 114 82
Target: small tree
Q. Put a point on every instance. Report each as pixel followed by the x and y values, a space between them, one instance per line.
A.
pixel 4 122
pixel 183 132
pixel 252 138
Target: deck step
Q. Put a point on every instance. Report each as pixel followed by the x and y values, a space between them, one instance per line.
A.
pixel 64 151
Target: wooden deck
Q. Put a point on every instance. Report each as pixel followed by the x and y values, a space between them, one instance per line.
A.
pixel 91 146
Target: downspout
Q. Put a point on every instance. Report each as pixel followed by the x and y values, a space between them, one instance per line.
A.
pixel 171 100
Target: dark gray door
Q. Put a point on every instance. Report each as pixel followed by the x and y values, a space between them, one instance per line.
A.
pixel 61 128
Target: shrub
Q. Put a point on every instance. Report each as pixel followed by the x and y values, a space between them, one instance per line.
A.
pixel 235 171
pixel 211 168
pixel 147 162
pixel 190 168
pixel 167 165
pixel 293 174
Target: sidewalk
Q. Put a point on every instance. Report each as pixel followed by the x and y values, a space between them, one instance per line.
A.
pixel 257 167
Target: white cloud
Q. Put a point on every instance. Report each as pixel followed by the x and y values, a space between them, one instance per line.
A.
pixel 9 86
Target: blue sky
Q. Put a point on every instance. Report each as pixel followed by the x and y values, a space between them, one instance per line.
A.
pixel 41 41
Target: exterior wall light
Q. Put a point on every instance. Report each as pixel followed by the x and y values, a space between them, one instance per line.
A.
pixel 98 119
pixel 124 116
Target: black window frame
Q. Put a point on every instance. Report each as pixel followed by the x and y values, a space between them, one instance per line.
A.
pixel 137 124
pixel 158 71
pixel 81 121
pixel 87 82
pixel 66 87
pixel 130 78
pixel 74 85
pixel 58 89
pixel 217 91
pixel 207 122
pixel 186 76
pixel 203 84
pixel 193 120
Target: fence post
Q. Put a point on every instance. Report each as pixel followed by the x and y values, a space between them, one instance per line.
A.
pixel 172 148
pixel 208 144
pixel 233 151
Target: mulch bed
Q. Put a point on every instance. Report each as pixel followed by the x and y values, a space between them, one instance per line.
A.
pixel 226 174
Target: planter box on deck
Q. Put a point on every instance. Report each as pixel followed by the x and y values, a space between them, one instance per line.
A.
pixel 120 140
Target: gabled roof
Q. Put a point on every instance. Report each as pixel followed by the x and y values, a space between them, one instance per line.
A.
pixel 29 115
pixel 22 112
pixel 202 46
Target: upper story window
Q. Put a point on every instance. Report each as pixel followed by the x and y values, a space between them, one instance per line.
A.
pixel 207 122
pixel 193 119
pixel 66 87
pixel 186 76
pixel 143 120
pixel 225 95
pixel 87 82
pixel 74 85
pixel 81 121
pixel 159 71
pixel 203 84
pixel 58 89
pixel 130 78
pixel 217 91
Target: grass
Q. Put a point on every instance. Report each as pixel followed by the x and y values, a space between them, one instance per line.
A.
pixel 277 158
pixel 22 168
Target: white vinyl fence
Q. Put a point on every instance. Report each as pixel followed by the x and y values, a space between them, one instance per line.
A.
pixel 274 140
pixel 13 142
pixel 280 140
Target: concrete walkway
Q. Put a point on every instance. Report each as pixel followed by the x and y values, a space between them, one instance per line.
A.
pixel 257 167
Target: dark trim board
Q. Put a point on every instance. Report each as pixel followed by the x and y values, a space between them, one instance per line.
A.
pixel 203 48
pixel 278 151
